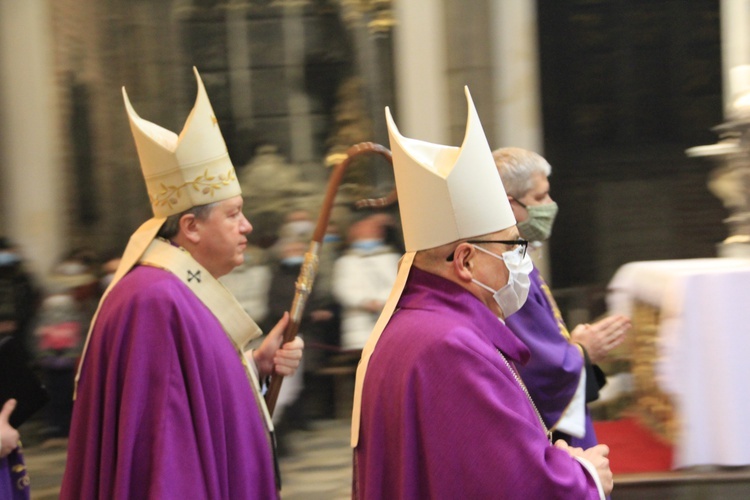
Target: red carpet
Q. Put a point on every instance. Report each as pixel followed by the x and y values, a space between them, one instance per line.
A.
pixel 633 448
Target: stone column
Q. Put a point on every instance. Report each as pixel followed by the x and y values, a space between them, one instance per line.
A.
pixel 32 210
pixel 238 57
pixel 301 132
pixel 735 47
pixel 420 57
pixel 516 86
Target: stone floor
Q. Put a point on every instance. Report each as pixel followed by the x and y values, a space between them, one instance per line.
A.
pixel 318 466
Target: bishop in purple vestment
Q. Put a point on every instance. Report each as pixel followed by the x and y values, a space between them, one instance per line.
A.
pixel 561 375
pixel 439 408
pixel 553 374
pixel 443 415
pixel 168 404
pixel 164 406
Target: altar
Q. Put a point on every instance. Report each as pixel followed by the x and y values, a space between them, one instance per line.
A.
pixel 690 348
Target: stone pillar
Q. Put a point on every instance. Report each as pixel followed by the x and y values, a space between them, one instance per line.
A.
pixel 730 179
pixel 32 210
pixel 735 47
pixel 515 75
pixel 420 56
pixel 516 86
pixel 239 60
pixel 301 132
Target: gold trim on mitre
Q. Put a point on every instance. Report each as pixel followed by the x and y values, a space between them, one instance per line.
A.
pixel 445 194
pixel 188 170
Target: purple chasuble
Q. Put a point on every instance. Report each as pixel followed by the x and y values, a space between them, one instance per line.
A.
pixel 554 368
pixel 443 415
pixel 165 408
pixel 14 481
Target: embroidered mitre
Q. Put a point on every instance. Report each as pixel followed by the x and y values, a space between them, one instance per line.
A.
pixel 188 170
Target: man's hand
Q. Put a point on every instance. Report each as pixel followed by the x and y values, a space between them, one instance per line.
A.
pixel 601 337
pixel 372 305
pixel 597 456
pixel 9 437
pixel 321 315
pixel 273 358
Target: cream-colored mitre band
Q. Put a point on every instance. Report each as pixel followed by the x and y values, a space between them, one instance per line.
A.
pixel 404 268
pixel 185 187
pixel 237 324
pixel 137 245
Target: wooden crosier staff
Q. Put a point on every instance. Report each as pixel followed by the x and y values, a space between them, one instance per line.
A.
pixel 309 269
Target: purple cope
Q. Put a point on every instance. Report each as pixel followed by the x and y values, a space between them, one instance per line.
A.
pixel 554 368
pixel 442 414
pixel 165 408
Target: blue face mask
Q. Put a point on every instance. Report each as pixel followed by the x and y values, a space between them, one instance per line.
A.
pixel 294 260
pixel 8 258
pixel 367 245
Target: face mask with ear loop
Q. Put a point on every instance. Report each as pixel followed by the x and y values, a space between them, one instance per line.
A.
pixel 511 297
pixel 538 225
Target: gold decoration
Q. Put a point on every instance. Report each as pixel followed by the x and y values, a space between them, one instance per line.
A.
pixel 653 407
pixel 377 14
pixel 206 184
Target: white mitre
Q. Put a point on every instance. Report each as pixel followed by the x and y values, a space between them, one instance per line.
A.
pixel 181 172
pixel 445 194
pixel 188 170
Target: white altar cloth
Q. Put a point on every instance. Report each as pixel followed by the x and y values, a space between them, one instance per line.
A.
pixel 704 350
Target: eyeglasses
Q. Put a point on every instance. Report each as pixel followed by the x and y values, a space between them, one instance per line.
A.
pixel 518 245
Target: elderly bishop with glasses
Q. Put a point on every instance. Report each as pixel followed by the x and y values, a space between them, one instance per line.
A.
pixel 439 408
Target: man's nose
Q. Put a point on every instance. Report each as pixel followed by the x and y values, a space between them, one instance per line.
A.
pixel 246 227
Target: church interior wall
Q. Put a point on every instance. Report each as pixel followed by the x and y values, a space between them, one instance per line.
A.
pixel 624 91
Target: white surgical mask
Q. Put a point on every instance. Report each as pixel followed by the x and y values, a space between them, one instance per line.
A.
pixel 511 297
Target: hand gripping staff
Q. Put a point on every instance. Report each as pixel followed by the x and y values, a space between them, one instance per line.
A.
pixel 309 269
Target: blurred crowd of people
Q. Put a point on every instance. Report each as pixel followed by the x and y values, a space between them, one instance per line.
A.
pixel 50 315
pixel 357 265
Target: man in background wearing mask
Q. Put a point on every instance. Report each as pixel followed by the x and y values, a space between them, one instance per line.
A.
pixel 363 277
pixel 439 410
pixel 561 375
